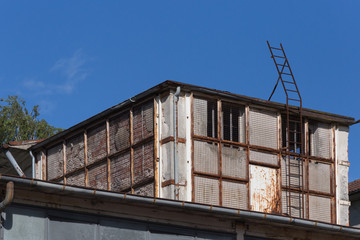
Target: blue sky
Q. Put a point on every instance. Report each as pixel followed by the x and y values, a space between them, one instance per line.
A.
pixel 77 58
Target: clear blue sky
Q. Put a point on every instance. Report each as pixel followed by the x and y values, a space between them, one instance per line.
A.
pixel 77 58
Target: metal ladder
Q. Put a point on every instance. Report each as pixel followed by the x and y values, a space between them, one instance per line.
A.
pixel 294 139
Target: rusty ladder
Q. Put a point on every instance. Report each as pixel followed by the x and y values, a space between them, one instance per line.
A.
pixel 294 131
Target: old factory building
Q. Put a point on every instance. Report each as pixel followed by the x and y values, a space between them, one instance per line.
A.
pixel 185 162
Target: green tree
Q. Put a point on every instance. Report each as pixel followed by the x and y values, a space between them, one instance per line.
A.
pixel 18 124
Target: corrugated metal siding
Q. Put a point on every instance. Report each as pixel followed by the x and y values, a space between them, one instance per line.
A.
pixel 206 157
pixel 96 143
pixel 319 176
pixel 144 162
pixel 320 139
pixel 205 117
pixel 234 161
pixel 55 162
pixel 264 194
pixel 119 132
pixel 234 195
pixel 120 172
pixel 296 207
pixel 77 179
pixel 143 121
pixel 98 176
pixel 233 122
pixel 263 157
pixel 263 128
pixel 320 208
pixel 146 190
pixel 206 190
pixel 75 153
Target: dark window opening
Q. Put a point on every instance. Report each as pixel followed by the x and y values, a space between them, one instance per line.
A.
pixel 212 119
pixel 231 115
pixel 291 140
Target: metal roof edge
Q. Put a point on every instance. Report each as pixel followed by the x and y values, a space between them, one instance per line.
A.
pixel 170 84
pixel 236 213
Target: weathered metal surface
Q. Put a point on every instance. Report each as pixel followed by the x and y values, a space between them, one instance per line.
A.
pixel 234 161
pixel 119 132
pixel 206 157
pixel 206 190
pixel 234 195
pixel 76 179
pixel 320 208
pixel 319 177
pixel 144 162
pixel 263 157
pixel 55 162
pixel 75 154
pixel 98 176
pixel 320 139
pixel 120 172
pixel 96 143
pixel 205 117
pixel 143 121
pixel 264 189
pixel 263 128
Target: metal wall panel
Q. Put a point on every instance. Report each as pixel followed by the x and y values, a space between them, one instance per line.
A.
pixel 55 162
pixel 96 143
pixel 320 208
pixel 143 162
pixel 293 204
pixel 206 190
pixel 234 195
pixel 234 161
pixel 263 157
pixel 264 189
pixel 319 176
pixel 119 132
pixel 60 229
pixel 205 117
pixel 122 230
pixel 75 153
pixel 263 128
pixel 143 121
pixel 120 172
pixel 206 157
pixel 76 179
pixel 146 190
pixel 320 139
pixel 98 176
pixel 295 172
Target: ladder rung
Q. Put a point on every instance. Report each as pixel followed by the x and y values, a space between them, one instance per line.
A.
pixel 283 65
pixel 276 48
pixel 292 99
pixel 278 56
pixel 291 90
pixel 287 74
pixel 289 82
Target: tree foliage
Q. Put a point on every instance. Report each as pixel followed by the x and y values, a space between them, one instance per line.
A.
pixel 18 124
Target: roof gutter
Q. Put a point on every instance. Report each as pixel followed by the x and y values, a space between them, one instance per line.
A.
pixel 185 205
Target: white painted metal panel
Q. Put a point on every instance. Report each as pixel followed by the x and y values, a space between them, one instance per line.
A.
pixel 263 128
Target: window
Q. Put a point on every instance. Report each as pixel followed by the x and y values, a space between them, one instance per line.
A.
pixel 233 122
pixel 320 139
pixel 291 142
pixel 205 117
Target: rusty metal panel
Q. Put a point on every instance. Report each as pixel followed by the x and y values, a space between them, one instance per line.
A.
pixel 205 117
pixel 77 179
pixel 144 162
pixel 234 161
pixel 263 128
pixel 264 189
pixel 295 177
pixel 206 157
pixel 263 157
pixel 55 162
pixel 167 125
pixel 120 172
pixel 75 153
pixel 320 139
pixel 96 143
pixel 234 195
pixel 319 176
pixel 143 121
pixel 98 176
pixel 293 204
pixel 320 208
pixel 233 122
pixel 206 190
pixel 119 132
pixel 146 190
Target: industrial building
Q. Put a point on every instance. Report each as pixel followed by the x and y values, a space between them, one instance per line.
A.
pixel 185 162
